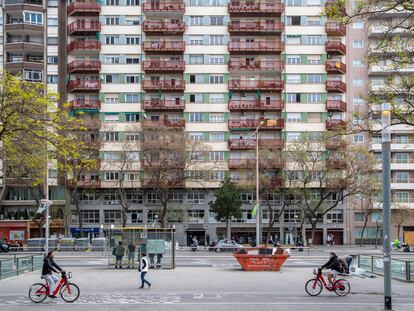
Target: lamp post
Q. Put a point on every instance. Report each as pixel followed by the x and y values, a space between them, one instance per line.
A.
pixel 258 210
pixel 44 206
pixel 386 193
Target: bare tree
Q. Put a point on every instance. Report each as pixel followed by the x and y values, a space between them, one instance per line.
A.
pixel 399 216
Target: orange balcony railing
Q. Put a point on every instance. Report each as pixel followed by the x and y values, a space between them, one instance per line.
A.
pixel 180 123
pixel 163 27
pixel 84 66
pixel 242 105
pixel 164 46
pixel 335 105
pixel 84 46
pixel 334 125
pixel 332 66
pixel 85 183
pixel 333 47
pixel 164 6
pixel 83 27
pixel 336 164
pixel 252 85
pixel 333 143
pixel 335 29
pixel 257 47
pixel 335 86
pixel 255 8
pixel 163 104
pixel 252 124
pixel 85 104
pixel 259 65
pixel 163 85
pixel 84 8
pixel 258 27
pixel 247 144
pixel 163 66
pixel 84 85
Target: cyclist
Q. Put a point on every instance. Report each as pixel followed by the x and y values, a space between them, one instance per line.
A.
pixel 50 266
pixel 334 265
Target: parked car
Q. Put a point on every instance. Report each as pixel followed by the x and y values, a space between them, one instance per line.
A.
pixel 227 245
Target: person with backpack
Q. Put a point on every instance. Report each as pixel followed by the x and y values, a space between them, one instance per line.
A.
pixel 118 252
pixel 144 270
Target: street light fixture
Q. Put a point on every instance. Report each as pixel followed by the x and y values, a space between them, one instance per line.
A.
pixel 257 207
pixel 44 207
pixel 386 194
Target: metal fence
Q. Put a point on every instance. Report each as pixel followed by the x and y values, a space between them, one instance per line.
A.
pixel 402 267
pixel 17 265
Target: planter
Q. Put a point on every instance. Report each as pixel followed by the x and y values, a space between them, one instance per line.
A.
pixel 252 259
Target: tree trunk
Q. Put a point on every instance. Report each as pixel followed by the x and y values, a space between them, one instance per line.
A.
pixel 228 229
pixel 363 230
pixel 312 232
pixel 67 213
pixel 398 232
pixel 270 226
pixel 164 214
pixel 376 236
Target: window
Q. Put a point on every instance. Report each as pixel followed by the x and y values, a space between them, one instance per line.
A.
pixel 132 60
pixel 52 59
pixel 315 98
pixel 196 59
pixel 52 40
pixel 132 79
pixel 401 177
pixel 293 2
pixel 111 176
pixel 195 117
pixel 357 63
pixel 33 18
pixel 313 2
pixel 176 197
pixel 196 2
pixel 33 75
pixel 52 3
pixel 112 21
pixel 132 40
pixel 292 39
pixel 402 197
pixel 217 175
pixel 216 98
pixel 196 40
pixel 196 98
pixel 359 217
pixel 293 20
pixel 315 78
pixel 358 25
pixel 90 216
pixel 216 117
pixel 217 79
pixel 196 136
pixel 111 156
pixel 111 78
pixel 357 82
pixel 152 198
pixel 110 40
pixel 216 137
pixel 196 20
pixel 294 117
pixel 132 136
pixel 247 198
pixel 291 216
pixel 314 40
pixel 216 40
pixel 293 78
pixel 132 97
pixel 133 21
pixel 216 60
pixel 293 97
pixel 132 117
pixel 357 101
pixel 293 59
pixel 112 2
pixel 314 21
pixel 292 136
pixel 401 157
pixel 195 216
pixel 52 22
pixel 135 217
pixel 111 98
pixel 216 155
pixel 52 79
pixel 358 44
pixel 314 60
pixel 195 198
pixel 112 216
pixel 111 59
pixel 111 136
pixel 216 20
pixel 334 217
pixel 132 2
pixel 196 78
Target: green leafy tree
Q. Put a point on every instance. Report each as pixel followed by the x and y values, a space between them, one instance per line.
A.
pixel 227 204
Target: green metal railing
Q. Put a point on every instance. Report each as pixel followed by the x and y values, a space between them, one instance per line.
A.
pixel 402 267
pixel 17 265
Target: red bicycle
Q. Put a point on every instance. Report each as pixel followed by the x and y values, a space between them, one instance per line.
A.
pixel 68 291
pixel 314 286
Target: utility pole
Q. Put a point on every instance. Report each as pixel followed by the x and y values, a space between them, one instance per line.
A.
pixel 386 193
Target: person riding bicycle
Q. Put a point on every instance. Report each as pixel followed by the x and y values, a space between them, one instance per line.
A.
pixel 334 265
pixel 50 266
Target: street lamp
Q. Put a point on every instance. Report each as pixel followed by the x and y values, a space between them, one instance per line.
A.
pixel 257 207
pixel 386 194
pixel 44 206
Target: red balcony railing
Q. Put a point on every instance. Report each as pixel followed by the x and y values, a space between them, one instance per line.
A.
pixel 335 29
pixel 84 85
pixel 336 164
pixel 258 65
pixel 81 27
pixel 255 27
pixel 252 124
pixel 84 45
pixel 163 85
pixel 85 183
pixel 335 86
pixel 333 47
pixel 164 123
pixel 84 66
pixel 333 143
pixel 336 105
pixel 247 144
pixel 164 27
pixel 164 6
pixel 257 47
pixel 251 85
pixel 84 8
pixel 334 125
pixel 88 104
pixel 241 163
pixel 163 66
pixel 255 8
pixel 332 66
pixel 162 104
pixel 242 105
pixel 164 46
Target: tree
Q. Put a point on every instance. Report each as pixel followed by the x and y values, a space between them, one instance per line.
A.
pixel 368 208
pixel 227 204
pixel 399 216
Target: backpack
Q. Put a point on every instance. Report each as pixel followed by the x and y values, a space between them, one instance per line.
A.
pixel 114 251
pixel 343 265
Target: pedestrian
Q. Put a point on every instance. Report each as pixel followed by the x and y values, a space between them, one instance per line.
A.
pixel 119 254
pixel 131 255
pixel 328 239
pixel 144 270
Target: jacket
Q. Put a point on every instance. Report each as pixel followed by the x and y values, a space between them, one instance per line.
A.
pixel 49 266
pixel 120 250
pixel 144 264
pixel 333 264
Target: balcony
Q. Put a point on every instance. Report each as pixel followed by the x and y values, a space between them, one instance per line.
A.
pixel 163 104
pixel 84 86
pixel 24 46
pixel 242 163
pixel 334 125
pixel 333 143
pixel 21 28
pixel 336 48
pixel 163 66
pixel 255 8
pixel 22 65
pixel 256 105
pixel 85 104
pixel 335 29
pixel 84 66
pixel 335 86
pixel 259 65
pixel 23 5
pixel 336 183
pixel 84 28
pixel 336 105
pixel 335 67
pixel 249 182
pixel 252 124
pixel 258 27
pixel 337 164
pixel 257 47
pixel 91 123
pixel 166 28
pixel 164 47
pixel 254 85
pixel 84 8
pixel 163 85
pixel 85 183
pixel 148 182
pixel 164 7
pixel 86 46
pixel 248 144
pixel 170 123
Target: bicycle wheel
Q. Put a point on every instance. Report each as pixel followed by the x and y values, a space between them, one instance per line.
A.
pixel 37 292
pixel 342 287
pixel 72 295
pixel 312 288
